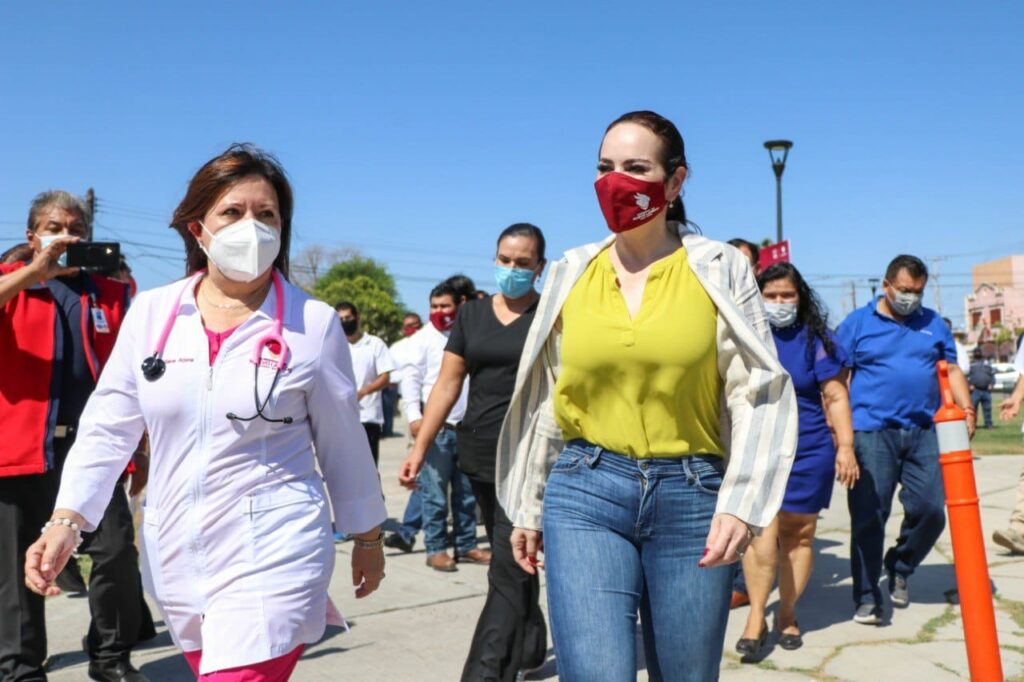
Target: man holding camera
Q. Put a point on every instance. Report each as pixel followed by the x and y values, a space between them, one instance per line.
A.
pixel 57 328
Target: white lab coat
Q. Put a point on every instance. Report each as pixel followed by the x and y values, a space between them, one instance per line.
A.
pixel 237 544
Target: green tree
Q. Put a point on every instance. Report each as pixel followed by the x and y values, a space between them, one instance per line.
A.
pixel 366 283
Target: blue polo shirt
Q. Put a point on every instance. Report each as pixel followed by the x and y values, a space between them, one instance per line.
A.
pixel 894 381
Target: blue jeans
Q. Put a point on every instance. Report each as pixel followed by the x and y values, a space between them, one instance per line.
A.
pixel 910 457
pixel 440 473
pixel 623 535
pixel 984 399
pixel 412 519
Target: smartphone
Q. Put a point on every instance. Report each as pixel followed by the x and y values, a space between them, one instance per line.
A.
pixel 99 257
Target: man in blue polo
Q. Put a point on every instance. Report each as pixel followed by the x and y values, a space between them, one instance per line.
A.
pixel 894 344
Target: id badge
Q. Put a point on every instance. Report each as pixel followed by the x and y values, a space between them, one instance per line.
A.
pixel 99 320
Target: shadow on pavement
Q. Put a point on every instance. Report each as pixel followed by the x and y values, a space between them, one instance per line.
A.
pixel 828 599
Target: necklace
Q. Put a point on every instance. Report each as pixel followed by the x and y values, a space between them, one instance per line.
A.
pixel 234 306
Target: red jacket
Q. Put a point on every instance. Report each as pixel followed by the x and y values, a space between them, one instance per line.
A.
pixel 28 328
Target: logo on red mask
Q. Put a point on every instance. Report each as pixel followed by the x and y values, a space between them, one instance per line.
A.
pixel 628 202
pixel 442 320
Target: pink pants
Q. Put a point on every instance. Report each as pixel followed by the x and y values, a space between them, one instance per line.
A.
pixel 275 670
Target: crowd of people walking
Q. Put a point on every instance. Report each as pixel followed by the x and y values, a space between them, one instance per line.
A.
pixel 657 428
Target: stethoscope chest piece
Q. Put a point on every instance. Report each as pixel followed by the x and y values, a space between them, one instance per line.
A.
pixel 153 367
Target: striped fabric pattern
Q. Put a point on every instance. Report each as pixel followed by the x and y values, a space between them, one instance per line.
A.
pixel 759 412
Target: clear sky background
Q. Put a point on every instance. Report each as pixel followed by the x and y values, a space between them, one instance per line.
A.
pixel 415 132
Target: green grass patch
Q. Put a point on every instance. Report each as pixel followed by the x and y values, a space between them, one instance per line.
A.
pixel 85 565
pixel 928 630
pixel 1014 608
pixel 1004 438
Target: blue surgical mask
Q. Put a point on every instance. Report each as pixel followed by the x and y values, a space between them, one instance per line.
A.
pixel 513 282
pixel 47 239
pixel 781 315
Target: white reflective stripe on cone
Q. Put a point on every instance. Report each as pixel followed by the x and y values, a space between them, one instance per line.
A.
pixel 952 436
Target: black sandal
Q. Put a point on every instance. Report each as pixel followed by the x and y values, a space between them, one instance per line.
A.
pixel 791 642
pixel 750 647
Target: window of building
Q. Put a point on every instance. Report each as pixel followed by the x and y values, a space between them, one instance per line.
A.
pixel 975 319
pixel 995 317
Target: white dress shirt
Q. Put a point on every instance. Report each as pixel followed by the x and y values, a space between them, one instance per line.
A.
pixel 370 359
pixel 236 537
pixel 422 357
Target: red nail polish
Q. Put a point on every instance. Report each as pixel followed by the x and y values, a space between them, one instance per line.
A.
pixel 700 564
pixel 707 550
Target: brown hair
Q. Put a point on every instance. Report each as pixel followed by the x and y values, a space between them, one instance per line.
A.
pixel 238 162
pixel 673 150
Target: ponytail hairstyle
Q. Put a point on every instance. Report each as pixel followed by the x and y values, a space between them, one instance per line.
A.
pixel 673 152
pixel 525 230
pixel 811 312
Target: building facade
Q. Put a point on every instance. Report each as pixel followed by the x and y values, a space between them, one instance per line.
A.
pixel 997 302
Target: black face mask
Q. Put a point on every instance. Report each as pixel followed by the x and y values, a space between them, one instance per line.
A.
pixel 350 326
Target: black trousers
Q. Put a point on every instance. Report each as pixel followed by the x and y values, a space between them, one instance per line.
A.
pixel 511 634
pixel 120 617
pixel 373 435
pixel 26 503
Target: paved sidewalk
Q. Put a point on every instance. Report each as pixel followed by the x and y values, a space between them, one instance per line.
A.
pixel 418 626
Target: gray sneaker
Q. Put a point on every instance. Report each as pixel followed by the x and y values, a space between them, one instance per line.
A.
pixel 898 592
pixel 1010 539
pixel 868 614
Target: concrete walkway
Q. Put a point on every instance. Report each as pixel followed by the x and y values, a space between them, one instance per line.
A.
pixel 418 626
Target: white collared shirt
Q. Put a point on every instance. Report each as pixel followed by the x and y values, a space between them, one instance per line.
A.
pixel 422 357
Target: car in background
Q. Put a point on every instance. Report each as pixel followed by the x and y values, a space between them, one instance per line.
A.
pixel 1006 376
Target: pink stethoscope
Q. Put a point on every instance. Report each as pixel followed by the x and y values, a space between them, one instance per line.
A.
pixel 154 366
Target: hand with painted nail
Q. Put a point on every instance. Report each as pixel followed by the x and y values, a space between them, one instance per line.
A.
pixel 526 543
pixel 726 542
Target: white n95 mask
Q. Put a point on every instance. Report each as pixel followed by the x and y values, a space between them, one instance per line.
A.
pixel 244 250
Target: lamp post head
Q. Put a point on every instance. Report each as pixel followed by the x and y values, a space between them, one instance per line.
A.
pixel 778 150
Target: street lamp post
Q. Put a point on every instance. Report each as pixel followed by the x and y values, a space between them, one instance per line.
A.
pixel 778 150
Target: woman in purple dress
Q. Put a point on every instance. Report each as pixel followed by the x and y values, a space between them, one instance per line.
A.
pixel 809 352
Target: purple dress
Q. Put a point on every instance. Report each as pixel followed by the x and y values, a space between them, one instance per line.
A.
pixel 810 483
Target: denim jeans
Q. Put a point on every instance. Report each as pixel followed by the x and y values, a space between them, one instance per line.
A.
pixel 623 535
pixel 910 457
pixel 440 473
pixel 412 518
pixel 984 398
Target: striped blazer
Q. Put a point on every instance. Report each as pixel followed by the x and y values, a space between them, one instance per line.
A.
pixel 758 405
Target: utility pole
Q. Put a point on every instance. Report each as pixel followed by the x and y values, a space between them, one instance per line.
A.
pixel 90 202
pixel 853 294
pixel 934 276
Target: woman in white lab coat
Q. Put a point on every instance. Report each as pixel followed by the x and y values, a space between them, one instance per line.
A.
pixel 237 544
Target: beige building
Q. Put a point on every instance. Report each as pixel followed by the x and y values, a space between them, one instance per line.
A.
pixel 998 299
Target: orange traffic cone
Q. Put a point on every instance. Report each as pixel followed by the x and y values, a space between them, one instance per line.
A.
pixel 976 607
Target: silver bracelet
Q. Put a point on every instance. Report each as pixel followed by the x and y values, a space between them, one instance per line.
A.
pixel 64 522
pixel 370 544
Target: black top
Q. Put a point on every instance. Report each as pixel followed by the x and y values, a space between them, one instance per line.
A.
pixel 491 351
pixel 72 372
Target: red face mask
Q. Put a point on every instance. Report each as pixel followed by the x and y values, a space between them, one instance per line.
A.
pixel 409 330
pixel 627 202
pixel 442 320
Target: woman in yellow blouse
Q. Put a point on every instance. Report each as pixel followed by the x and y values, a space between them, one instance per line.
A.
pixel 649 355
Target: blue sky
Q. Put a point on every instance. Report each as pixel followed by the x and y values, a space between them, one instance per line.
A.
pixel 415 132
